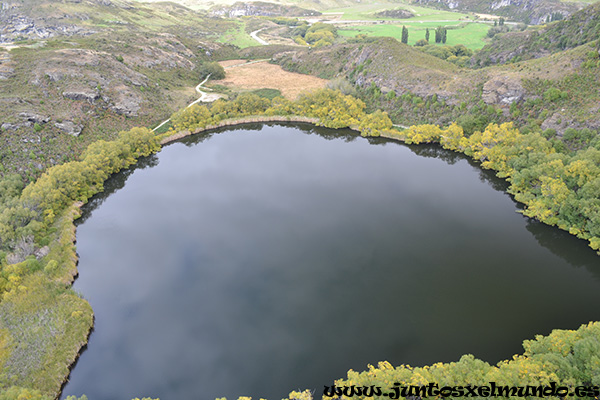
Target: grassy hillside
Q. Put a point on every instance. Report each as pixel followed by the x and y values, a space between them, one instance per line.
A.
pixel 104 67
pixel 528 11
pixel 555 92
pixel 582 27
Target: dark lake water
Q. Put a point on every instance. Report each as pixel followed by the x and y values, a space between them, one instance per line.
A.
pixel 266 259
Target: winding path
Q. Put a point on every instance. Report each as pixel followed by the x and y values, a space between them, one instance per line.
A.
pixel 259 40
pixel 204 97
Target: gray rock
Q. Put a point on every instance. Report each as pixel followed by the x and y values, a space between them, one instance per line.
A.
pixel 6 72
pixel 9 127
pixel 90 96
pixel 33 117
pixel 41 252
pixel 502 91
pixel 69 127
pixel 55 76
pixel 126 102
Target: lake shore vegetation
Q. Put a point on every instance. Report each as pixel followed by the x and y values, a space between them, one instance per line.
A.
pixel 44 323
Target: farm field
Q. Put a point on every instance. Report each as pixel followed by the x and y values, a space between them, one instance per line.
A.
pixel 238 36
pixel 264 75
pixel 368 11
pixel 472 35
pixel 466 29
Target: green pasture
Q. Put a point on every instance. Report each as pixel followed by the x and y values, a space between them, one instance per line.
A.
pixel 238 37
pixel 367 12
pixel 470 35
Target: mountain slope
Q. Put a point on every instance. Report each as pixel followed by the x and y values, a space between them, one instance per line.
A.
pixel 84 71
pixel 580 28
pixel 528 11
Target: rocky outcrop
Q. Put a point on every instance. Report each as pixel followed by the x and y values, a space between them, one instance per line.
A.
pixel 529 11
pixel 41 252
pixel 503 90
pixel 19 27
pixel 6 69
pixel 7 126
pixel 260 9
pixel 82 94
pixel 33 117
pixel 69 127
pixel 125 101
pixel 399 13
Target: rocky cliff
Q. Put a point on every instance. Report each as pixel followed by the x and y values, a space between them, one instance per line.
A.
pixel 528 11
pixel 240 9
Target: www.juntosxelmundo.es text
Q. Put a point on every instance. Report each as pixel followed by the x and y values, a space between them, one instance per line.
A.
pixel 432 390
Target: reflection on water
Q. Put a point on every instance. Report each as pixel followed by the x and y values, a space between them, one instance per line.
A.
pixel 112 185
pixel 273 258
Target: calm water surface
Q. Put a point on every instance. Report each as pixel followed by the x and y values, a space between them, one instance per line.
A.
pixel 274 258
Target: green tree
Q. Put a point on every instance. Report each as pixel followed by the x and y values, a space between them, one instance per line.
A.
pixel 213 68
pixel 404 35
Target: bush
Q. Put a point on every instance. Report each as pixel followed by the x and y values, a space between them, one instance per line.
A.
pixel 342 85
pixel 554 94
pixel 214 69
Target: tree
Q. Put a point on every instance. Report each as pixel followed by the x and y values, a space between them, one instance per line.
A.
pixel 427 34
pixel 404 35
pixel 440 34
pixel 501 21
pixel 372 124
pixel 214 69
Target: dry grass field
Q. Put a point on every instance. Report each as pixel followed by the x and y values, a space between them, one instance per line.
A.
pixel 264 75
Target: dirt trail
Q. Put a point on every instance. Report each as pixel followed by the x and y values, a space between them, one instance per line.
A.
pixel 204 98
pixel 259 40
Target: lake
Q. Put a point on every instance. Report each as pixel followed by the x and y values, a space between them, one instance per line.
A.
pixel 262 259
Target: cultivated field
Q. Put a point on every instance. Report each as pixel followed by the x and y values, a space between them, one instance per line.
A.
pixel 264 75
pixel 365 11
pixel 471 35
pixel 462 28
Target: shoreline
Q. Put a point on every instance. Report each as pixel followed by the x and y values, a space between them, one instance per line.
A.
pixel 167 138
pixel 236 121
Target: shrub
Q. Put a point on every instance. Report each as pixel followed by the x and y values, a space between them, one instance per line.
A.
pixel 214 69
pixel 553 94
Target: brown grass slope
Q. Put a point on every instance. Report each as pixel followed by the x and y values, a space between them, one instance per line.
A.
pixel 389 64
pixel 393 66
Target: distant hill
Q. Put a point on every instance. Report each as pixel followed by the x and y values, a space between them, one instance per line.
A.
pixel 260 8
pixel 528 11
pixel 399 13
pixel 580 28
